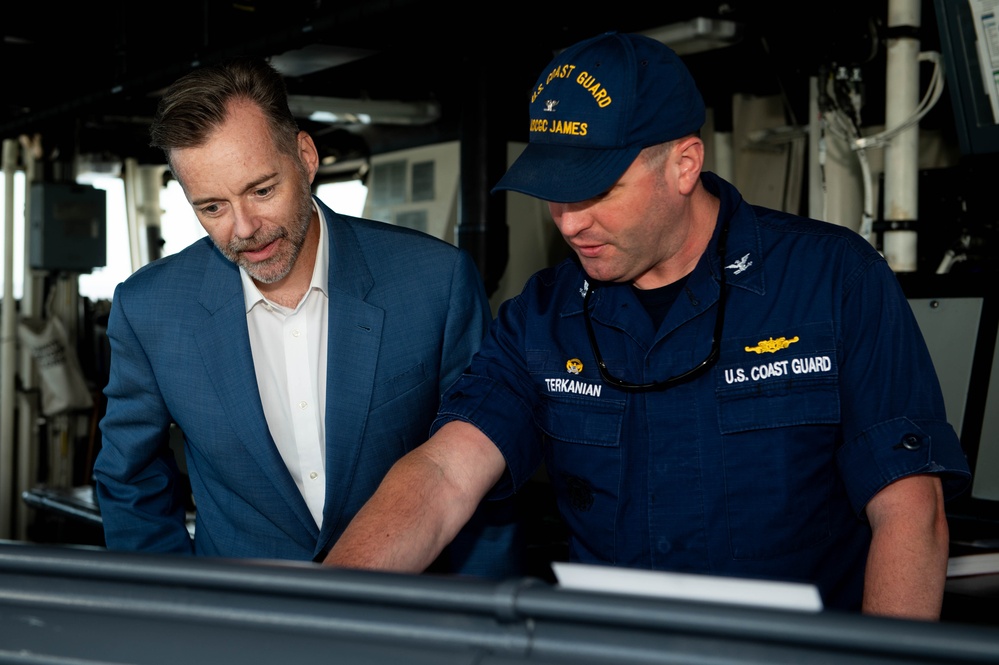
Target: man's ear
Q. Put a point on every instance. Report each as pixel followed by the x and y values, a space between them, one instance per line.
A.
pixel 689 158
pixel 308 153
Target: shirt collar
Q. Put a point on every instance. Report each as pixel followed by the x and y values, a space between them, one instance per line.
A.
pixel 320 272
pixel 744 249
pixel 743 253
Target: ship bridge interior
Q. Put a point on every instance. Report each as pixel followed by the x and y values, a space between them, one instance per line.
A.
pixel 803 101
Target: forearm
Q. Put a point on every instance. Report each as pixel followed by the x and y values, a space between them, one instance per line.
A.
pixel 907 562
pixel 397 529
pixel 424 500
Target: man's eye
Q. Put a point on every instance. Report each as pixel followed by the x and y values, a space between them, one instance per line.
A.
pixel 210 209
pixel 264 191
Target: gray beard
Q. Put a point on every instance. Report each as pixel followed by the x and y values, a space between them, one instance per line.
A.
pixel 285 261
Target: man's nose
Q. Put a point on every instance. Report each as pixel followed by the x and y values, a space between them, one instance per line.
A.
pixel 570 218
pixel 245 222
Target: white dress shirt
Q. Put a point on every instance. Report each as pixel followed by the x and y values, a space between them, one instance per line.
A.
pixel 289 358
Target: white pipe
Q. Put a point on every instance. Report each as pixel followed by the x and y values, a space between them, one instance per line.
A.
pixel 27 455
pixel 31 308
pixel 136 241
pixel 835 188
pixel 902 153
pixel 64 305
pixel 8 347
pixel 867 212
pixel 816 154
pixel 33 283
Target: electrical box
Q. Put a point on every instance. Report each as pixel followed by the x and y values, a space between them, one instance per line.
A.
pixel 68 227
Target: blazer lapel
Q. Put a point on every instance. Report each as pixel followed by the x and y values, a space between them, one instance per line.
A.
pixel 355 332
pixel 224 343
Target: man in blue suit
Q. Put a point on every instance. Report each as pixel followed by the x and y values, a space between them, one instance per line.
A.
pixel 300 352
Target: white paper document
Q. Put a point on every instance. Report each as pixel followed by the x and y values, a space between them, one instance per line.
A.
pixel 686 586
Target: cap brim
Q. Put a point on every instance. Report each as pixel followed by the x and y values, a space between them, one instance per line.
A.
pixel 566 174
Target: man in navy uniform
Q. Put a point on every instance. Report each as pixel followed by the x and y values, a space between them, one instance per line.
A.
pixel 713 387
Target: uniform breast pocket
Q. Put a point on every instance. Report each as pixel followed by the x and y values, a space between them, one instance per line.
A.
pixel 779 415
pixel 582 440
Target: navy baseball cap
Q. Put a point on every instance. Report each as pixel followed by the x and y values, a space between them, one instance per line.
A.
pixel 594 108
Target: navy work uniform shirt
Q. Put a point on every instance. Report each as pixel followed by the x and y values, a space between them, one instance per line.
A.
pixel 823 394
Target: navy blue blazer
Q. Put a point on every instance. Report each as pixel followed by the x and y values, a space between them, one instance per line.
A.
pixel 406 314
